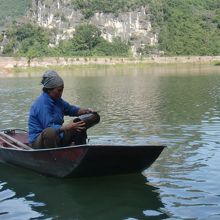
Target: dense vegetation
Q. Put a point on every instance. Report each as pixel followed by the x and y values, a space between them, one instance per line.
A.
pixel 89 7
pixel 11 9
pixel 31 41
pixel 87 41
pixel 26 40
pixel 189 27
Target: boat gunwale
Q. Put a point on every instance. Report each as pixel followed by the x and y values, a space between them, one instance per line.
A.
pixel 84 146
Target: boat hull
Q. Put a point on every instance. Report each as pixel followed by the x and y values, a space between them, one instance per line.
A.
pixel 83 160
pixel 86 160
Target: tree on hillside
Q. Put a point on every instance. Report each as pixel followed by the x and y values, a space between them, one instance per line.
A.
pixel 27 40
pixel 115 48
pixel 188 28
pixel 86 37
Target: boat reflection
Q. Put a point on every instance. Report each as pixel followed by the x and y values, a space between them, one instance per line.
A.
pixel 114 197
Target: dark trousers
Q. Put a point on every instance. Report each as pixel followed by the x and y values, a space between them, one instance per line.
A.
pixel 50 139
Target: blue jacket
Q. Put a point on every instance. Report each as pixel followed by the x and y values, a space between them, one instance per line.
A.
pixel 46 112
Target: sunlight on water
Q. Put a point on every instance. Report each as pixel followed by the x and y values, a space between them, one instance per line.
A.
pixel 14 207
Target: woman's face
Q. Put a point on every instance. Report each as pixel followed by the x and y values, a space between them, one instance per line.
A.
pixel 56 93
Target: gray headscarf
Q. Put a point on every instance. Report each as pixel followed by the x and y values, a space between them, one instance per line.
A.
pixel 51 80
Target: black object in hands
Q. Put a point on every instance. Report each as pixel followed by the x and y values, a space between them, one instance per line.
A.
pixel 90 119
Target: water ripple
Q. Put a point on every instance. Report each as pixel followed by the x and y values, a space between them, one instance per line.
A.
pixel 180 111
pixel 17 208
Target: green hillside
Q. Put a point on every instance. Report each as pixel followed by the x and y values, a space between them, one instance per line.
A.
pixel 189 27
pixel 11 9
pixel 88 8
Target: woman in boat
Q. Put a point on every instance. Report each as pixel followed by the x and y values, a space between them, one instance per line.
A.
pixel 46 117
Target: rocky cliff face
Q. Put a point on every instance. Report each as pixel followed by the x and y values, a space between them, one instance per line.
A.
pixel 61 17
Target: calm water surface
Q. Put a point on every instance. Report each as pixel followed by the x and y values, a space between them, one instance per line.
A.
pixel 178 106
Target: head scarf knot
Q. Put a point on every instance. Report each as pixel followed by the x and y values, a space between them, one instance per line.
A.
pixel 51 80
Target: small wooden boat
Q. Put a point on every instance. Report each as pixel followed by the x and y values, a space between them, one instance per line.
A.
pixel 78 160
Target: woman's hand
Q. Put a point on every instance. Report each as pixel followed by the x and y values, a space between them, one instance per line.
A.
pixel 76 126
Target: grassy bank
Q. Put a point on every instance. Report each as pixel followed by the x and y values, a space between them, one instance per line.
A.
pixel 18 65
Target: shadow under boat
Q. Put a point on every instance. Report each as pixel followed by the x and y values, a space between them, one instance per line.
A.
pixel 109 197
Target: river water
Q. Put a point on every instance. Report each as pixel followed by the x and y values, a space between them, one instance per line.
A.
pixel 178 106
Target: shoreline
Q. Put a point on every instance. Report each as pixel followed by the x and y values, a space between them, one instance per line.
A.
pixel 13 65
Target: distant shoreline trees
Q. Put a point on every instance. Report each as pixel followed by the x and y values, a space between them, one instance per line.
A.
pixel 31 41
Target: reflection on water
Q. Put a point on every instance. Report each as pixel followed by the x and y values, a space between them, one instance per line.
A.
pixel 13 205
pixel 137 105
pixel 120 197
